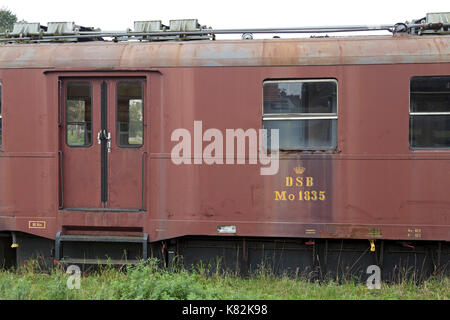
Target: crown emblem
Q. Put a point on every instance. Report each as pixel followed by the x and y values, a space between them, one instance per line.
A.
pixel 299 170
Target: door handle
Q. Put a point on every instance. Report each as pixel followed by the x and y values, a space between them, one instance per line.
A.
pixel 103 135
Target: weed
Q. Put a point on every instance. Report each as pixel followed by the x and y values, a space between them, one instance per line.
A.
pixel 148 280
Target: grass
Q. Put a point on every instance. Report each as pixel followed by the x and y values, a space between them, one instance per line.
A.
pixel 148 281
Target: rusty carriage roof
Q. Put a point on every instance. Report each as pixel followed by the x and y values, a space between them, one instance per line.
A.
pixel 271 52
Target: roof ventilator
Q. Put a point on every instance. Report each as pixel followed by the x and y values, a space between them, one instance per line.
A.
pixel 184 29
pixel 54 31
pixel 26 29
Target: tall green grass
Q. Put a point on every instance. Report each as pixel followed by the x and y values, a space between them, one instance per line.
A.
pixel 149 281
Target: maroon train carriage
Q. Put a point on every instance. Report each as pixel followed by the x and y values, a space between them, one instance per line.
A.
pixel 91 120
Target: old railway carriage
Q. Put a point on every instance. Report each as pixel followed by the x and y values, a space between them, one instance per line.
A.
pixel 89 128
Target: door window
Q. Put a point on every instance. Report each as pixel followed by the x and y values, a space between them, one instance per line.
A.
pixel 129 114
pixel 79 114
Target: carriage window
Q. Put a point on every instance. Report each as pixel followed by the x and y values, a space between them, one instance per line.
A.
pixel 79 114
pixel 1 128
pixel 429 117
pixel 304 111
pixel 129 114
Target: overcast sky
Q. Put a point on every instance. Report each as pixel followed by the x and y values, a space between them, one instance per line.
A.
pixel 119 15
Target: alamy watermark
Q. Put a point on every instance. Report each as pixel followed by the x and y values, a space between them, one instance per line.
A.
pixel 374 280
pixel 221 147
pixel 74 281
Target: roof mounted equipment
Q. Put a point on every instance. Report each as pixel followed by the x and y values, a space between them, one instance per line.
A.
pixel 433 23
pixel 190 29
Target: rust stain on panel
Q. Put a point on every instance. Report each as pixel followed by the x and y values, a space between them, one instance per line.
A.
pixel 331 51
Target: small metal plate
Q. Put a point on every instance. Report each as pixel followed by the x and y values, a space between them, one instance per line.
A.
pixel 226 229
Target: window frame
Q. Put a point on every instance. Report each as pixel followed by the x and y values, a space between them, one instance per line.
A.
pixel 412 114
pixel 304 116
pixel 142 83
pixel 67 109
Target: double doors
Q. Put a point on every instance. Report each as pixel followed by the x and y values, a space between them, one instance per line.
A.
pixel 102 143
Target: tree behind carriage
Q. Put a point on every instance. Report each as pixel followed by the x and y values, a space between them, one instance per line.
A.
pixel 7 20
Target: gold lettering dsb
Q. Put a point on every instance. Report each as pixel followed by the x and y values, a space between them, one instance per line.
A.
pixel 309 194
